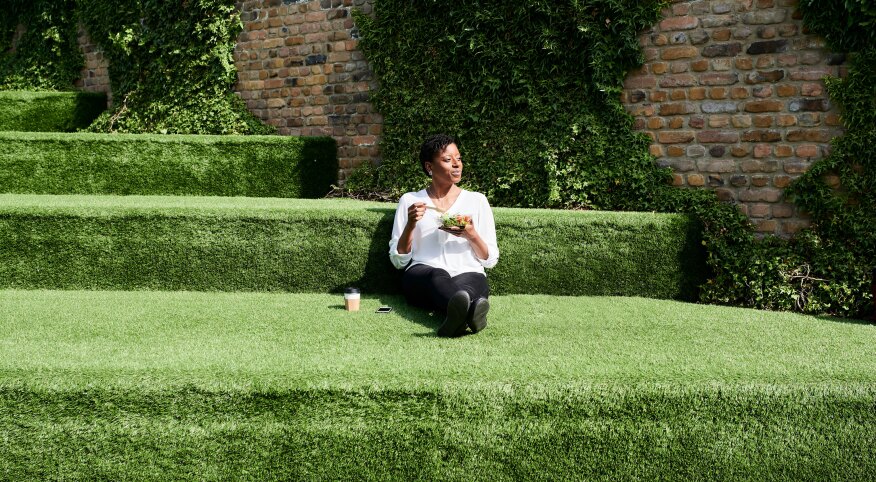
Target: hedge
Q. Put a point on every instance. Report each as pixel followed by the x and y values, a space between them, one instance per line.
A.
pixel 86 163
pixel 250 244
pixel 49 111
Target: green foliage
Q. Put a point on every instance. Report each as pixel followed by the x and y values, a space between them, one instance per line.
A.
pixel 171 66
pixel 539 130
pixel 86 163
pixel 847 25
pixel 46 56
pixel 828 267
pixel 839 191
pixel 49 111
pixel 233 244
pixel 502 77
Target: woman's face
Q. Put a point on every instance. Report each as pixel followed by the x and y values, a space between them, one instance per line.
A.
pixel 447 166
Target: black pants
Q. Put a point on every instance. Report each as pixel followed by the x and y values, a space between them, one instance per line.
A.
pixel 431 288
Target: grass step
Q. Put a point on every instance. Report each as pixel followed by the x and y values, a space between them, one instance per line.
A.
pixel 158 385
pixel 146 164
pixel 266 244
pixel 49 111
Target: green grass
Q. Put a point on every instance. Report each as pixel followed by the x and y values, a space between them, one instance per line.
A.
pixel 302 341
pixel 84 163
pixel 159 385
pixel 266 244
pixel 49 111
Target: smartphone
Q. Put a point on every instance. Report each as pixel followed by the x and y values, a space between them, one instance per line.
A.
pixel 384 309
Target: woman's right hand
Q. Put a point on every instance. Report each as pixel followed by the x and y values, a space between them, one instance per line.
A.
pixel 416 212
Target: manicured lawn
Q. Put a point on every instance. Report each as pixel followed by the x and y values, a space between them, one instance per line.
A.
pixel 285 341
pixel 160 385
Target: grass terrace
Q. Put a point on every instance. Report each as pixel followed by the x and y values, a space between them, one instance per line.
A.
pixel 274 385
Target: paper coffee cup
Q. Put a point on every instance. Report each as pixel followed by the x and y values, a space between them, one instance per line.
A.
pixel 351 299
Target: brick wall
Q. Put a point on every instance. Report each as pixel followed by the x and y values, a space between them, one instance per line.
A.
pixel 95 74
pixel 731 93
pixel 299 69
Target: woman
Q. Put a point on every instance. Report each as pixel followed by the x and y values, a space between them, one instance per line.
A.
pixel 444 268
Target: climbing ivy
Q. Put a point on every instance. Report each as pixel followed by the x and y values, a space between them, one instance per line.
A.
pixel 531 90
pixel 43 56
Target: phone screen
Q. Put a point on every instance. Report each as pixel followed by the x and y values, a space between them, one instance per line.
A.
pixel 384 309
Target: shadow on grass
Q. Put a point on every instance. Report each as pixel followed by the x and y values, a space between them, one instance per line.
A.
pixel 850 321
pixel 413 314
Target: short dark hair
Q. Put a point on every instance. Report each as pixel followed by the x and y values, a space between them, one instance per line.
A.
pixel 433 146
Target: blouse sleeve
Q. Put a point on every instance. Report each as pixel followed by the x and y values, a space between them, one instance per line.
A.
pixel 400 261
pixel 487 229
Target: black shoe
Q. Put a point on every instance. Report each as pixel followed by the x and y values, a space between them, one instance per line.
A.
pixel 457 309
pixel 478 319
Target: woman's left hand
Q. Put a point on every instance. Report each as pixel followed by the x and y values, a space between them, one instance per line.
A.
pixel 468 232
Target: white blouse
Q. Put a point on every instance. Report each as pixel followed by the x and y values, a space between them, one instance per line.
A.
pixel 433 247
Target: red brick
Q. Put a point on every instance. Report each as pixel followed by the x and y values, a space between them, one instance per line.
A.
pixel 744 63
pixel 740 151
pixel 807 150
pixel 782 182
pixel 811 89
pixel 762 150
pixel 833 120
pixel 759 210
pixel 676 108
pixel 697 93
pixel 695 180
pixel 721 35
pixel 699 65
pixel 640 82
pixel 675 53
pixel 675 137
pixel 810 74
pixel 656 123
pixel 766 225
pixel 718 93
pixel 783 210
pixel 717 166
pixel 739 93
pixel 678 67
pixel 764 121
pixel 769 195
pixel 796 167
pixel 679 23
pixel 764 106
pixel 786 120
pixel 741 121
pixel 658 96
pixel 719 121
pixel 675 151
pixel 760 180
pixel 784 151
pixel 680 80
pixel 724 137
pixel 719 78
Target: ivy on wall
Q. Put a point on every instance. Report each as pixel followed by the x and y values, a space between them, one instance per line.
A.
pixel 46 54
pixel 506 79
pixel 171 63
pixel 531 91
pixel 171 66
